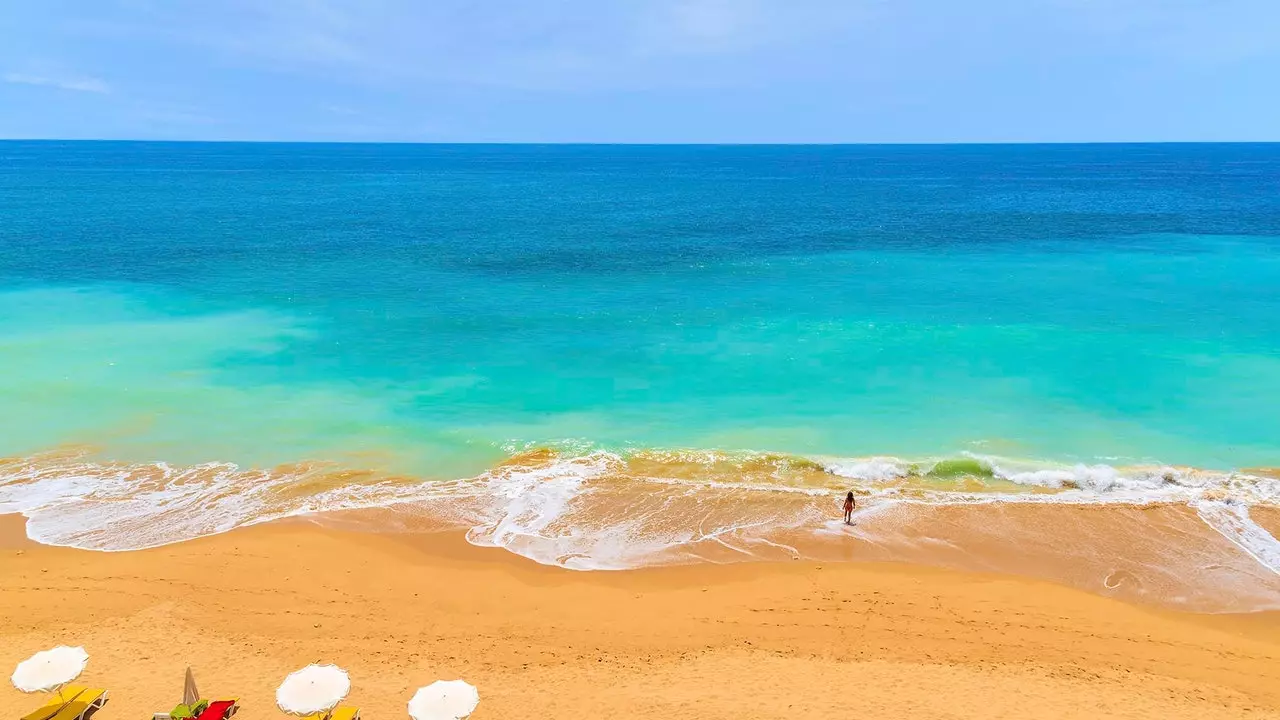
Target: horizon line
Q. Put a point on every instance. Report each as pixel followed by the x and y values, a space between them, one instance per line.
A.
pixel 975 143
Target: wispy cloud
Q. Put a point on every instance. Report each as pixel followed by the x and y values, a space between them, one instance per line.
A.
pixel 709 25
pixel 576 45
pixel 652 70
pixel 74 84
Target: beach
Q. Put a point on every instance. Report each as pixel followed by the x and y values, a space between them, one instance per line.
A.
pixel 575 424
pixel 747 640
pixel 677 359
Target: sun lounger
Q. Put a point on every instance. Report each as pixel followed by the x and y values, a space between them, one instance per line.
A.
pixel 181 712
pixel 85 704
pixel 219 710
pixel 342 713
pixel 215 710
pixel 57 701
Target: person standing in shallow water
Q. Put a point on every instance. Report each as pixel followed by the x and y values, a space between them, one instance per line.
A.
pixel 848 508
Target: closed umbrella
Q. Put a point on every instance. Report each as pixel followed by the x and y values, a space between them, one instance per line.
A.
pixel 444 700
pixel 190 695
pixel 49 670
pixel 313 689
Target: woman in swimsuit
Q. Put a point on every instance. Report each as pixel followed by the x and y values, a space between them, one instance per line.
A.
pixel 848 509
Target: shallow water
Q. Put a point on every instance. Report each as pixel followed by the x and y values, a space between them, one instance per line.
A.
pixel 711 343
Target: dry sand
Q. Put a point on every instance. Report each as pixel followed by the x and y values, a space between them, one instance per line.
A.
pixel 780 640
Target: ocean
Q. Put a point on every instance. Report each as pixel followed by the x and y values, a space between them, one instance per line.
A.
pixel 1062 360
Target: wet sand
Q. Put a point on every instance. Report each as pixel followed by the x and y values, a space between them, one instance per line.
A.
pixel 743 641
pixel 1158 554
pixel 1268 517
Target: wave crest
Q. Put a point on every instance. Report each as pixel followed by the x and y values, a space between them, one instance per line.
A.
pixel 598 510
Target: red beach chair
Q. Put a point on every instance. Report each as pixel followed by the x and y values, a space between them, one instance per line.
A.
pixel 219 710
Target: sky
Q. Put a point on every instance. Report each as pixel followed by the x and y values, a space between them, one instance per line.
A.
pixel 728 71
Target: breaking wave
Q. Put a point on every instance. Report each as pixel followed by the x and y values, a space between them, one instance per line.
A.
pixel 1181 536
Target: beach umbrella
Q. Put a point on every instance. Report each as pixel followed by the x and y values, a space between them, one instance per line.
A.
pixel 313 689
pixel 190 695
pixel 49 670
pixel 444 700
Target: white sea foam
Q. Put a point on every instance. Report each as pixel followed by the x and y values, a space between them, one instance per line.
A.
pixel 876 469
pixel 550 514
pixel 1232 520
pixel 564 511
pixel 134 507
pixel 529 511
pixel 1093 478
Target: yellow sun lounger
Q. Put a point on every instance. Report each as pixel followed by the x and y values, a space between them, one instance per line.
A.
pixel 85 703
pixel 342 713
pixel 57 701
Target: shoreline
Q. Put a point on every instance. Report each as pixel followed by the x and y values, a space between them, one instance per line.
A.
pixel 1176 538
pixel 746 640
pixel 1160 555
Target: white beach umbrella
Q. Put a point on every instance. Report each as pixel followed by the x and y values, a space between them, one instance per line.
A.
pixel 190 693
pixel 50 669
pixel 444 700
pixel 313 689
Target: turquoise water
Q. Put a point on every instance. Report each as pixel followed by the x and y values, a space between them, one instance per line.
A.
pixel 425 309
pixel 602 357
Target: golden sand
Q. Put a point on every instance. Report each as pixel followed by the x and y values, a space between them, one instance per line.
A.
pixel 759 640
pixel 1268 517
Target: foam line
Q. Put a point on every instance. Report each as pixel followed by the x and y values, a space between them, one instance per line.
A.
pixel 1232 521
